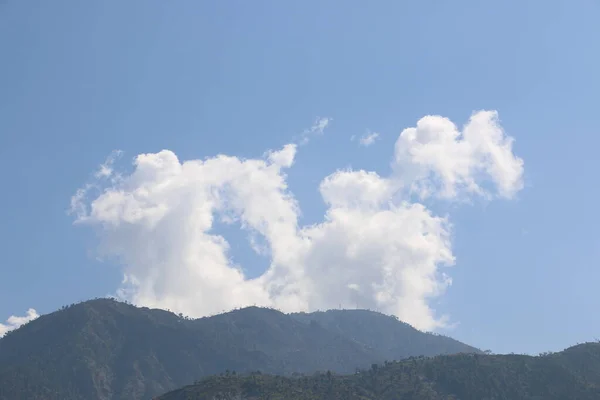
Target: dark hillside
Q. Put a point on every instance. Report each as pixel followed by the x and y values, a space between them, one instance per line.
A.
pixel 571 374
pixel 104 349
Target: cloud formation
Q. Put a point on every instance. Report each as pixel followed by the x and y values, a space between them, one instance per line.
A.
pixel 375 247
pixel 437 159
pixel 367 139
pixel 13 322
pixel 318 128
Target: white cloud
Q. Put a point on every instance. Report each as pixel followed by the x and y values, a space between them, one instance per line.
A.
pixel 318 128
pixel 320 125
pixel 435 158
pixel 13 322
pixel 374 248
pixel 367 139
pixel 284 157
pixel 359 189
pixel 106 170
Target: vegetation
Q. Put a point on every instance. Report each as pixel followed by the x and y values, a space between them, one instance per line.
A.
pixel 572 374
pixel 104 349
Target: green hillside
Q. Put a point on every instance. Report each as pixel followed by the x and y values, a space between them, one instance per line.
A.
pixel 103 349
pixel 573 374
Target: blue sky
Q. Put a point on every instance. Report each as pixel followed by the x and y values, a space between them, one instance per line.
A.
pixel 81 79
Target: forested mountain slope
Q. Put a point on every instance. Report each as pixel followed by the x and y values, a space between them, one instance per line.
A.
pixel 104 349
pixel 573 374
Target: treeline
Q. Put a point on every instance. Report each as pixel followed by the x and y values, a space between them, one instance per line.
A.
pixel 571 374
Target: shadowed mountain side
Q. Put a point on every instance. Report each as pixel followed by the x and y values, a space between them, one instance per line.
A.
pixel 571 374
pixel 385 335
pixel 104 349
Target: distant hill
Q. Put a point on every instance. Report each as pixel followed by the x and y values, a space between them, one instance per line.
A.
pixel 573 374
pixel 385 336
pixel 103 349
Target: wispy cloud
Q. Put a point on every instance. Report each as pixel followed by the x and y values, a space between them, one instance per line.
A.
pixel 367 139
pixel 106 170
pixel 104 173
pixel 318 128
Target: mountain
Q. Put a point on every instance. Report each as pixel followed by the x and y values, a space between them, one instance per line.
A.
pixel 103 349
pixel 571 374
pixel 386 336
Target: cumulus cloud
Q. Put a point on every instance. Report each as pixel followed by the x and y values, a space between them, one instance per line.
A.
pixel 104 172
pixel 367 139
pixel 13 322
pixel 436 159
pixel 375 248
pixel 359 189
pixel 284 157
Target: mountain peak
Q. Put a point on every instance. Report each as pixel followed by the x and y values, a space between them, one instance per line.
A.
pixel 107 349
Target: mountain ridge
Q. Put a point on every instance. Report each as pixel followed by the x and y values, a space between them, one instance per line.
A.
pixel 573 373
pixel 107 349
